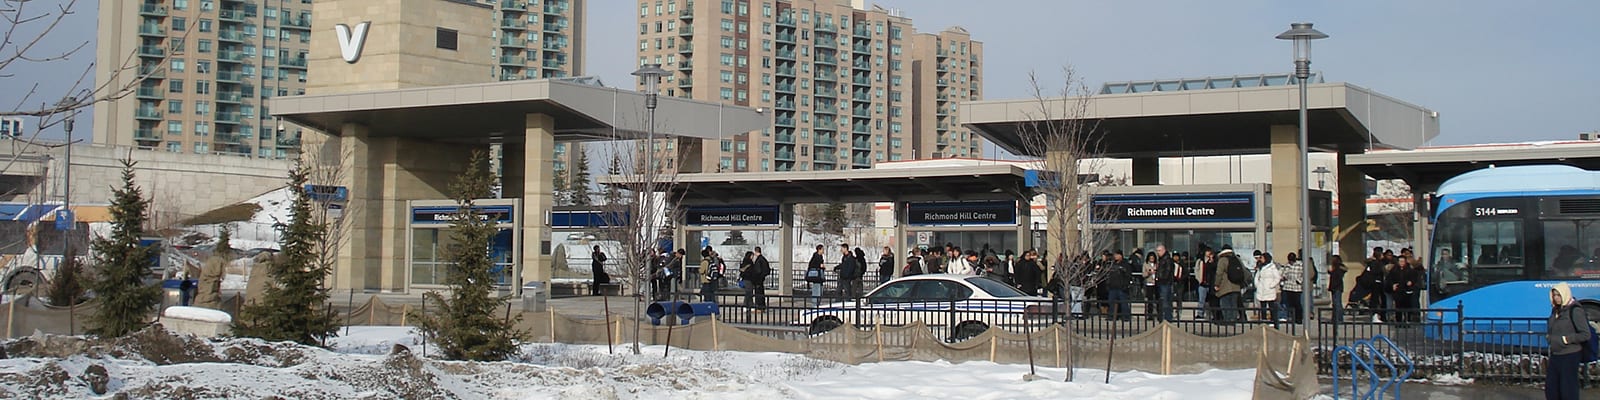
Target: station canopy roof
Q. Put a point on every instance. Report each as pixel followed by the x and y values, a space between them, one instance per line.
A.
pixel 961 183
pixel 1211 116
pixel 1427 168
pixel 480 113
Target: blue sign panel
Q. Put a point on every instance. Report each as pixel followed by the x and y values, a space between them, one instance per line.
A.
pixel 64 219
pixel 327 193
pixel 444 215
pixel 732 215
pixel 1174 208
pixel 587 219
pixel 963 213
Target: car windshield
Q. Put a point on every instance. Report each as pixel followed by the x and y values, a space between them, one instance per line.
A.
pixel 995 288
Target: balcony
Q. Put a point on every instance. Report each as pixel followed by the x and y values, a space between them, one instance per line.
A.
pixel 824 43
pixel 513 60
pixel 783 122
pixel 786 71
pixel 942 68
pixel 555 64
pixel 229 96
pixel 826 92
pixel 686 31
pixel 685 65
pixel 686 82
pixel 550 27
pixel 554 46
pixel 154 10
pixel 786 19
pixel 149 92
pixel 825 28
pixel 862 161
pixel 146 134
pixel 862 30
pixel 861 48
pixel 861 80
pixel 230 56
pixel 861 96
pixel 783 104
pixel 147 114
pixel 825 126
pixel 686 48
pixel 861 112
pixel 861 64
pixel 785 54
pixel 785 38
pixel 229 76
pixel 152 51
pixel 232 16
pixel 784 138
pixel 786 87
pixel 228 138
pixel 943 82
pixel 824 157
pixel 298 63
pixel 783 155
pixel 513 24
pixel 152 30
pixel 827 60
pixel 513 5
pixel 513 42
pixel 556 8
pixel 284 141
pixel 686 13
pixel 300 23
pixel 227 118
pixel 230 36
pixel 152 72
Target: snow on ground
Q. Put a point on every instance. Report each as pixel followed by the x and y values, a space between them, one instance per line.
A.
pixel 361 366
pixel 197 314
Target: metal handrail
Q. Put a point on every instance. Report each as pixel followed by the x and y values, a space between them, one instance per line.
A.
pixel 1378 355
pixel 1410 366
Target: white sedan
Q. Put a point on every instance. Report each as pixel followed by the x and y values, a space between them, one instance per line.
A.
pixel 966 304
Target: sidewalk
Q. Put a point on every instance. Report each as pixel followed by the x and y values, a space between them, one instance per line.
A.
pixel 1465 392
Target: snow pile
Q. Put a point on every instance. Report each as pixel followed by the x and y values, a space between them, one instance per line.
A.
pixel 391 362
pixel 197 314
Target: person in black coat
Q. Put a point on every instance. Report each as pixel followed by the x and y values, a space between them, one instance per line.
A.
pixel 597 266
pixel 885 265
pixel 1116 283
pixel 1027 273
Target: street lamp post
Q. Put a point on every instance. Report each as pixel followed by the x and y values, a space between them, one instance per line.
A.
pixel 1302 34
pixel 1322 176
pixel 651 74
pixel 66 177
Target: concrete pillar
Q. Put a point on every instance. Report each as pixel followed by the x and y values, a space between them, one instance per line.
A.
pixel 1147 170
pixel 358 252
pixel 538 147
pixel 1062 225
pixel 900 243
pixel 1024 230
pixel 1286 190
pixel 785 258
pixel 1352 187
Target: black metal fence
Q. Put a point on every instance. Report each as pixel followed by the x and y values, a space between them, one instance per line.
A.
pixel 1440 341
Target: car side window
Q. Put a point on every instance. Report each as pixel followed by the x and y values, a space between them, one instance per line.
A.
pixel 956 291
pixel 893 293
pixel 930 291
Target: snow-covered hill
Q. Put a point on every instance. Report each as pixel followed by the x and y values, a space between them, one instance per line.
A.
pixel 367 364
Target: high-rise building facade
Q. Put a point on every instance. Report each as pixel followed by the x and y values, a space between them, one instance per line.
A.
pixel 841 81
pixel 209 65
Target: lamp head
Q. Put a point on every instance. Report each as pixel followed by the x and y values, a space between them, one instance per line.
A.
pixel 651 74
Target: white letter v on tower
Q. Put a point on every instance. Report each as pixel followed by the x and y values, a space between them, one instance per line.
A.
pixel 350 43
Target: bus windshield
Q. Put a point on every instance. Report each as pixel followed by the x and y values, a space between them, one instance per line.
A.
pixel 1486 241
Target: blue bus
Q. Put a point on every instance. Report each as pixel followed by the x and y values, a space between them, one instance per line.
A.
pixel 1504 236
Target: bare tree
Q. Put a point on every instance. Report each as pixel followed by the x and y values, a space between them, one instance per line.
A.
pixel 639 203
pixel 1067 143
pixel 334 217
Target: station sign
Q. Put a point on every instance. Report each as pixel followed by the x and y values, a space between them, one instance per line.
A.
pixel 1173 208
pixel 587 219
pixel 962 213
pixel 444 215
pixel 731 215
pixel 327 193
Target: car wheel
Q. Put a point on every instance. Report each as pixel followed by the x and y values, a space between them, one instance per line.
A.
pixel 966 330
pixel 823 325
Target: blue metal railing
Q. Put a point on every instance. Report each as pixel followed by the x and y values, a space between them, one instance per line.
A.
pixel 1355 384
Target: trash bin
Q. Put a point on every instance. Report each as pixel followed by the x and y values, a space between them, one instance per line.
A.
pixel 534 297
pixel 171 293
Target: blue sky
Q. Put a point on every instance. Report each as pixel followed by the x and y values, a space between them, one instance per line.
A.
pixel 1496 71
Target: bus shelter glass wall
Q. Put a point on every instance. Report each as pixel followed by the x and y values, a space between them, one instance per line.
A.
pixel 430 257
pixel 730 245
pixel 998 241
pixel 572 254
pixel 1178 240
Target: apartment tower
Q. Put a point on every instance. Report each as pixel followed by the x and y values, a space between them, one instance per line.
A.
pixel 207 67
pixel 846 86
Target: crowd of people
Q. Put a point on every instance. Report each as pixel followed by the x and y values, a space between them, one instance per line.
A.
pixel 1222 286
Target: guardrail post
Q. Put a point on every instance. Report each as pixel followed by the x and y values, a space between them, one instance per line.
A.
pixel 1461 340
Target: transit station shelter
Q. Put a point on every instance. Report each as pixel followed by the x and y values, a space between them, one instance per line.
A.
pixel 397 123
pixel 1147 120
pixel 984 198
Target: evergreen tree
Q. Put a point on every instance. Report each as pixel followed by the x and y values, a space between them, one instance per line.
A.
pixel 464 326
pixel 578 189
pixel 294 305
pixel 126 300
pixel 560 192
pixel 66 287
